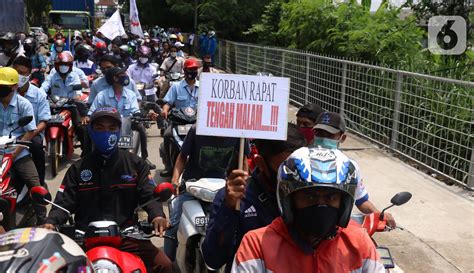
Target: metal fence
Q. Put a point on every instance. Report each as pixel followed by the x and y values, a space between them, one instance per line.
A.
pixel 425 118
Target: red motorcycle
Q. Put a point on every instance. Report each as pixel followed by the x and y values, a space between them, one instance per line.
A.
pixel 15 206
pixel 60 130
pixel 375 222
pixel 102 239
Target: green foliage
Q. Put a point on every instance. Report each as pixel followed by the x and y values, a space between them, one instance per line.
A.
pixel 266 31
pixel 35 9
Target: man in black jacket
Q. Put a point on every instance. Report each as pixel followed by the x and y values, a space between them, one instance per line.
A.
pixel 108 184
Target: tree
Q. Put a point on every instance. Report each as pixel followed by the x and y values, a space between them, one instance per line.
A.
pixel 266 30
pixel 35 9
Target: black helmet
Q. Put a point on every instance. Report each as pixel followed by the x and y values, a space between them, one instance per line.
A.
pixel 29 45
pixel 9 43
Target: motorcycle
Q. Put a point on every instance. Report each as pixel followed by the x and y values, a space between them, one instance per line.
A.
pixel 193 223
pixel 129 138
pixel 103 238
pixel 60 130
pixel 181 121
pixel 15 207
pixel 375 222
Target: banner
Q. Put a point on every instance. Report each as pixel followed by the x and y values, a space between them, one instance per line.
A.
pixel 113 27
pixel 243 106
pixel 135 26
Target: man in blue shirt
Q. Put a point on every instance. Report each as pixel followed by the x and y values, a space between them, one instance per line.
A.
pixel 106 62
pixel 116 95
pixel 61 82
pixel 182 95
pixel 13 107
pixel 42 112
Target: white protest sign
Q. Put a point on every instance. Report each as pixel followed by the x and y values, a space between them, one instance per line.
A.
pixel 243 106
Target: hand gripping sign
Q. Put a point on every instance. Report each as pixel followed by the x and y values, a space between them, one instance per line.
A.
pixel 243 106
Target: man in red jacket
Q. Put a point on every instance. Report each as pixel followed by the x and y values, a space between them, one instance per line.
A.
pixel 314 234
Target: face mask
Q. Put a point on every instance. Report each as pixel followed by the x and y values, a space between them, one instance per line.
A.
pixel 82 58
pixel 63 69
pixel 143 60
pixel 272 179
pixel 173 54
pixel 156 48
pixel 308 134
pixel 191 74
pixel 316 220
pixel 207 65
pixel 123 80
pixel 327 143
pixel 22 80
pixel 5 91
pixel 59 49
pixel 105 142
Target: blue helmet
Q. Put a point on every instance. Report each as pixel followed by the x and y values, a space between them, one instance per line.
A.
pixel 317 167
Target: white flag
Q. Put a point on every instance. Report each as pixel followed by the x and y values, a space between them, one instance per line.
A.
pixel 135 26
pixel 113 27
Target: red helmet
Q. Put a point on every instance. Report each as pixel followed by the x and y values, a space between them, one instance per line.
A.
pixel 100 45
pixel 63 58
pixel 191 64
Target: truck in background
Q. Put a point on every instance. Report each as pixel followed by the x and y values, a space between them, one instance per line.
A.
pixel 12 16
pixel 71 15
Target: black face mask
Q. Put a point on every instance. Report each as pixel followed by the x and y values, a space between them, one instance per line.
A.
pixel 272 179
pixel 316 220
pixel 207 65
pixel 5 91
pixel 191 74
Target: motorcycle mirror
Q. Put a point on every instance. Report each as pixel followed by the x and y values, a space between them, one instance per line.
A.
pixel 163 191
pixel 401 198
pixel 54 98
pixel 397 200
pixel 40 195
pixel 77 87
pixel 23 121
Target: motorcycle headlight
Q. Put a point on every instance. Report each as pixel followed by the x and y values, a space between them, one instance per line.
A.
pixel 105 266
pixel 202 194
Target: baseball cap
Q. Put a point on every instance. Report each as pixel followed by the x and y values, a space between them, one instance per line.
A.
pixel 106 112
pixel 311 111
pixel 331 122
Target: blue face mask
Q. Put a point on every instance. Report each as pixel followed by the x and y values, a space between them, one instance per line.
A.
pixel 327 143
pixel 105 142
pixel 123 80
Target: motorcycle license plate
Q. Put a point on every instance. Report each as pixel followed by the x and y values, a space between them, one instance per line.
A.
pixel 201 221
pixel 56 119
pixel 125 142
pixel 184 129
pixel 150 92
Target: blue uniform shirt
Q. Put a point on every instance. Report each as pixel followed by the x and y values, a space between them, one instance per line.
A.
pixel 182 96
pixel 60 87
pixel 126 106
pixel 101 84
pixel 40 104
pixel 9 116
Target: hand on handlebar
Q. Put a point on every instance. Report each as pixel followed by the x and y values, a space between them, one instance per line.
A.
pixel 48 226
pixel 153 115
pixel 164 114
pixel 85 120
pixel 160 224
pixel 390 220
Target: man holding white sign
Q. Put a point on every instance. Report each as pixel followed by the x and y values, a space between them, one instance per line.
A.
pixel 245 106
